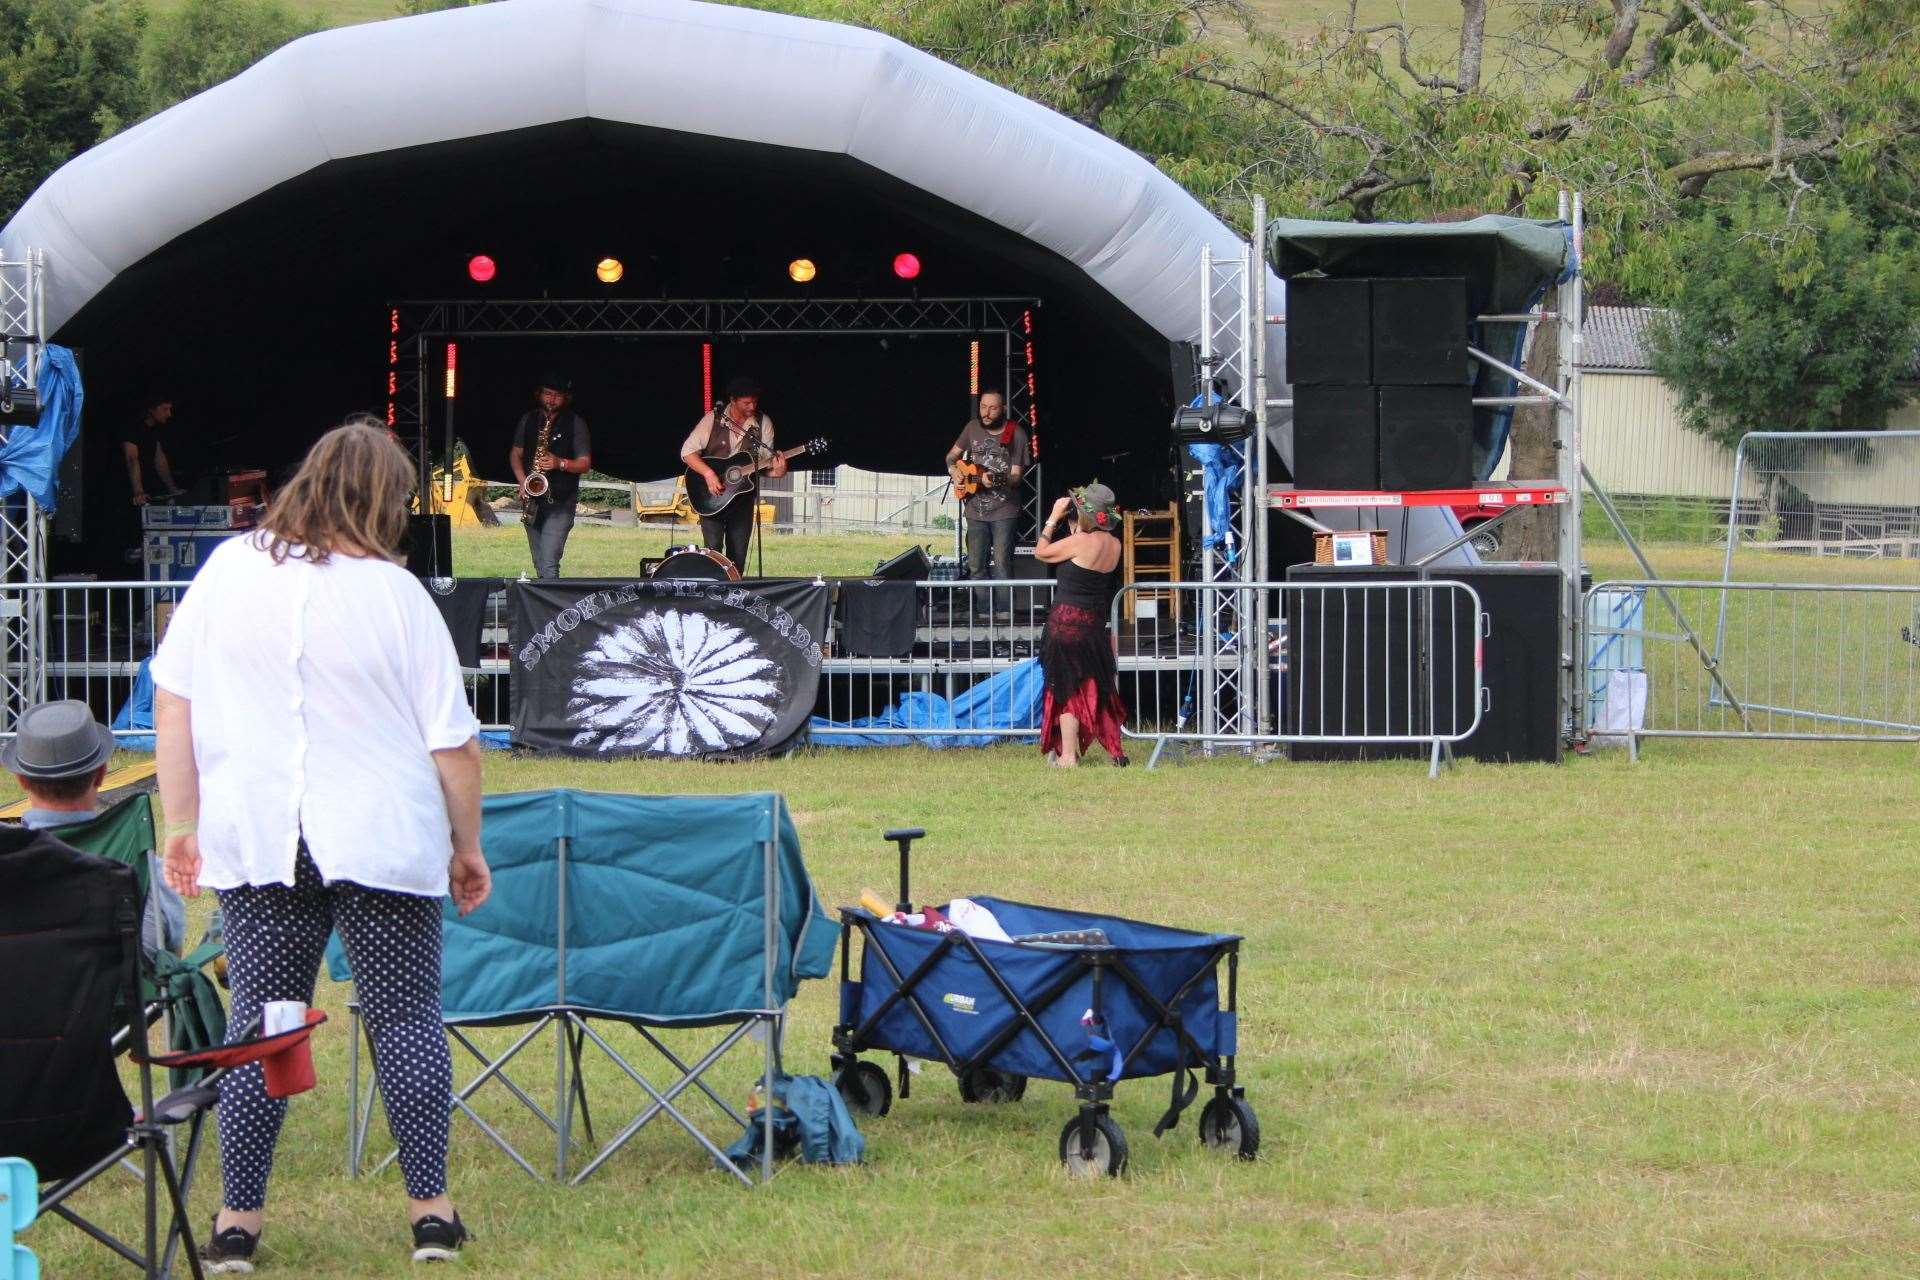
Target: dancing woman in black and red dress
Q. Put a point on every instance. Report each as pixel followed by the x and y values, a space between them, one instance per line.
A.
pixel 1083 685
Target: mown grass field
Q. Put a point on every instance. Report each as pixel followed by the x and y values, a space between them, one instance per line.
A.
pixel 1604 1019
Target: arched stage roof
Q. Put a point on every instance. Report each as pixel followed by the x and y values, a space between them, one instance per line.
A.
pixel 237 251
pixel 713 71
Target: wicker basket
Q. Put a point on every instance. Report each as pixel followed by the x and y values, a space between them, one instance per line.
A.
pixel 1323 545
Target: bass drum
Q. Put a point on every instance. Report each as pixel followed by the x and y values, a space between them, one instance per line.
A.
pixel 699 562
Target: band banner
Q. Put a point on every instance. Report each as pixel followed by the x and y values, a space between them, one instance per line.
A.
pixel 680 667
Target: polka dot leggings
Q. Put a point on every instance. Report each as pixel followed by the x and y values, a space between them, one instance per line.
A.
pixel 275 939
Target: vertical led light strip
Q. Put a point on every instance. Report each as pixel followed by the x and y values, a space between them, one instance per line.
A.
pixel 706 376
pixel 393 366
pixel 453 366
pixel 1033 398
pixel 973 368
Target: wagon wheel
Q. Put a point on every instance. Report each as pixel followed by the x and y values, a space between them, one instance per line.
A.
pixel 1091 1145
pixel 1227 1124
pixel 865 1089
pixel 984 1084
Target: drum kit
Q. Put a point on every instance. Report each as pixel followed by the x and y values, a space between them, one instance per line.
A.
pixel 694 561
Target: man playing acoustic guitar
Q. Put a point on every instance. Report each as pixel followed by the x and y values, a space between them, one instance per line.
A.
pixel 741 428
pixel 990 453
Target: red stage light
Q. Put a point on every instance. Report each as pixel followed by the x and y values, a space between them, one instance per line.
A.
pixel 481 268
pixel 906 266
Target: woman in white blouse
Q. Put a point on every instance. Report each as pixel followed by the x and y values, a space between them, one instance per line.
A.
pixel 319 770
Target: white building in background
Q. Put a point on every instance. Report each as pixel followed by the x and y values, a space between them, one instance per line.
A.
pixel 1633 439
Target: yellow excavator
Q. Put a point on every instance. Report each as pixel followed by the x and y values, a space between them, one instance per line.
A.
pixel 461 495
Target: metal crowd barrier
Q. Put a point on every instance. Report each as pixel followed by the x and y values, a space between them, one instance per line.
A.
pixel 1373 665
pixel 1797 661
pixel 1348 670
pixel 80 640
pixel 959 678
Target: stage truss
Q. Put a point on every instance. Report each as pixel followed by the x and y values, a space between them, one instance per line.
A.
pixel 417 334
pixel 23 525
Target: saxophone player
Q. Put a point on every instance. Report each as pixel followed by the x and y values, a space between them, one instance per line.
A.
pixel 554 439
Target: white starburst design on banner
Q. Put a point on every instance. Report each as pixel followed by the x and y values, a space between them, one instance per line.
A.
pixel 674 684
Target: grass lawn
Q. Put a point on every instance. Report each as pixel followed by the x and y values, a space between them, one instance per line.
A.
pixel 1603 1019
pixel 596 550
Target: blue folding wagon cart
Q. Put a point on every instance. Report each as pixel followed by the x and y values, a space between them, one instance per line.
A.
pixel 1088 1000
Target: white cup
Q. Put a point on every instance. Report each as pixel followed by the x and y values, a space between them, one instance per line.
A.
pixel 277 1016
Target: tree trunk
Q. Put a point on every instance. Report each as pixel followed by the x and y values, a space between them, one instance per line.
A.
pixel 1473 38
pixel 1534 534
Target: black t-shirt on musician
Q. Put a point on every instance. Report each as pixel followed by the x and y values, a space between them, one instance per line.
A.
pixel 149 441
pixel 568 440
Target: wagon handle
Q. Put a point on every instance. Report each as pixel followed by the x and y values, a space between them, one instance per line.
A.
pixel 904 837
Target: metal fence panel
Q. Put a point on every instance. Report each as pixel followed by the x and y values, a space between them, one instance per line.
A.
pixel 1794 660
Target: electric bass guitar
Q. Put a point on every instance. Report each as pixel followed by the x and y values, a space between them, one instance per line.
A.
pixel 737 476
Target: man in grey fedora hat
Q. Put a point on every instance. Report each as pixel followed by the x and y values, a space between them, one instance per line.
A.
pixel 59 757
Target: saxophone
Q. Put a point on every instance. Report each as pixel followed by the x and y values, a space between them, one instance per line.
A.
pixel 536 484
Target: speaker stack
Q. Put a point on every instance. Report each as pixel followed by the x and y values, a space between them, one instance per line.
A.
pixel 1521 717
pixel 1382 393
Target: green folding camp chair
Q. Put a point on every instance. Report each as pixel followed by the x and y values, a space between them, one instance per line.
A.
pixel 176 986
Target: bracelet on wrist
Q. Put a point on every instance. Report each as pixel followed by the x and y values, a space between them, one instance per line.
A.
pixel 186 828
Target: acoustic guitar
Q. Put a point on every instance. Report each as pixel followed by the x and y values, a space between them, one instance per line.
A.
pixel 973 478
pixel 737 476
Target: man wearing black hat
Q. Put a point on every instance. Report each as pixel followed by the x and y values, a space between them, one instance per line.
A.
pixel 550 442
pixel 59 758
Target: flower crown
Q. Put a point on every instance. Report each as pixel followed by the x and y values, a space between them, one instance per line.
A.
pixel 1103 517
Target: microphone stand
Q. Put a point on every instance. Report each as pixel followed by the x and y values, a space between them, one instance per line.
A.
pixel 753 445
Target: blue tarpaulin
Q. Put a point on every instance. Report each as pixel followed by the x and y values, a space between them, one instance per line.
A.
pixel 1222 469
pixel 663 910
pixel 30 456
pixel 137 712
pixel 1008 700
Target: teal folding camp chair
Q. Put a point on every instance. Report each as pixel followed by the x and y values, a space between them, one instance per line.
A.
pixel 655 912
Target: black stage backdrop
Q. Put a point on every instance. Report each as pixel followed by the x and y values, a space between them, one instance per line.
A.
pixel 665 668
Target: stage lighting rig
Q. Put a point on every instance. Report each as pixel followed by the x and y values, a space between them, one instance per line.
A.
pixel 481 268
pixel 609 270
pixel 802 270
pixel 1213 424
pixel 906 266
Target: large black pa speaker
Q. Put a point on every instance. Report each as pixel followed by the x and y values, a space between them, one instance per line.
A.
pixel 1336 437
pixel 1426 437
pixel 430 546
pixel 1420 332
pixel 1329 332
pixel 1353 661
pixel 1521 667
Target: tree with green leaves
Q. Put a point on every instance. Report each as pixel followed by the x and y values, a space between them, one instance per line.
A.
pixel 1806 320
pixel 69 76
pixel 203 42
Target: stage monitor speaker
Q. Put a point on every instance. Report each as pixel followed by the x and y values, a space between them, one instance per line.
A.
pixel 1426 437
pixel 911 565
pixel 1353 661
pixel 1329 332
pixel 1420 332
pixel 430 546
pixel 1336 437
pixel 1521 666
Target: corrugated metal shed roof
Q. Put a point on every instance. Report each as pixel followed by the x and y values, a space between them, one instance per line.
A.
pixel 1616 341
pixel 1613 339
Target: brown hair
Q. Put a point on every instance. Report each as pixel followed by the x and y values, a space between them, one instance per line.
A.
pixel 64 790
pixel 350 495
